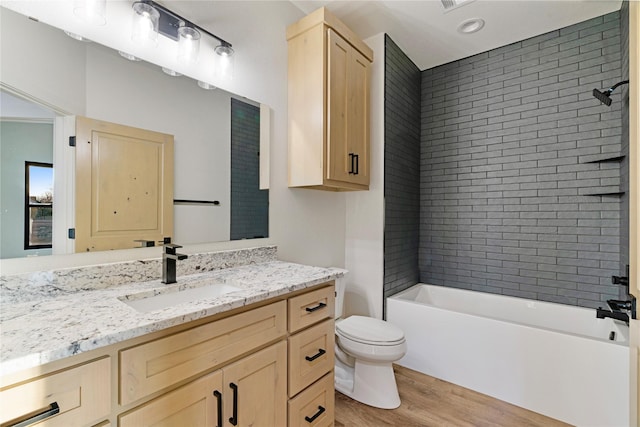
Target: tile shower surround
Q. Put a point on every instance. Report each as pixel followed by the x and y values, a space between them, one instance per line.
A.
pixel 401 170
pixel 505 183
pixel 505 141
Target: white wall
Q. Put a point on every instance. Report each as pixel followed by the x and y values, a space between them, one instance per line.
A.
pixel 364 240
pixel 307 225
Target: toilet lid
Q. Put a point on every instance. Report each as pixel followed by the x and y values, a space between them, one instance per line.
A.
pixel 368 330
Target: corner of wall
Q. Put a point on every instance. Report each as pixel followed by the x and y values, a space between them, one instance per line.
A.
pixel 364 248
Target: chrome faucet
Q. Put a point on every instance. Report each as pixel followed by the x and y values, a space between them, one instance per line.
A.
pixel 169 258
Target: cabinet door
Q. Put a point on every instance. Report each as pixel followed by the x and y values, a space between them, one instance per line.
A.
pixel 255 391
pixel 348 112
pixel 339 158
pixel 358 116
pixel 196 404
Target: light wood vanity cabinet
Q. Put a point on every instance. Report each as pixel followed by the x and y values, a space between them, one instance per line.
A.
pixel 77 396
pixel 247 368
pixel 329 79
pixel 311 358
pixel 253 389
pixel 156 365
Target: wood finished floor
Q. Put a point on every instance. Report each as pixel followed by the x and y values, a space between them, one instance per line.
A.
pixel 428 401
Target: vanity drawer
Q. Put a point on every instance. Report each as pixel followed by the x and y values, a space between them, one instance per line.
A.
pixel 314 406
pixel 77 396
pixel 311 354
pixel 310 308
pixel 158 364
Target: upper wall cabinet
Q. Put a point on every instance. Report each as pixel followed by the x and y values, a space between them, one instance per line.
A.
pixel 329 73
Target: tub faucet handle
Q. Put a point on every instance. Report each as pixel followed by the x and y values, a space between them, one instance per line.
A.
pixel 620 280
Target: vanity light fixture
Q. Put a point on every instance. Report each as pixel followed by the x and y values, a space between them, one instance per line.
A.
pixel 175 27
pixel 471 25
pixel 92 12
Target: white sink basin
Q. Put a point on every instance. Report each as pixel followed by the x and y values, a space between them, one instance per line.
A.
pixel 170 298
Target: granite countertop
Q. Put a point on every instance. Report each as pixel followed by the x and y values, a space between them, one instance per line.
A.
pixel 45 328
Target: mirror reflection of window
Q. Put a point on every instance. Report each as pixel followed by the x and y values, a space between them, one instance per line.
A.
pixel 38 205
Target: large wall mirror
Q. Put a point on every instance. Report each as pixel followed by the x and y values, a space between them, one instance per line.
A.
pixel 46 74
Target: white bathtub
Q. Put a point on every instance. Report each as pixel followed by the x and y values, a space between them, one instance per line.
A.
pixel 553 359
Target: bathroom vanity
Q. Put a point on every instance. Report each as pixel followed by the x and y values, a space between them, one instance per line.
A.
pixel 260 353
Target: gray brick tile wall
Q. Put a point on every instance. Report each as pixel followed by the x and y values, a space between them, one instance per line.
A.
pixel 249 204
pixel 402 163
pixel 504 187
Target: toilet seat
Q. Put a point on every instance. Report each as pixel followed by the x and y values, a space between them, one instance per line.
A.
pixel 370 331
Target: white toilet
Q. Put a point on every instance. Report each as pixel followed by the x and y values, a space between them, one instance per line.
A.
pixel 365 349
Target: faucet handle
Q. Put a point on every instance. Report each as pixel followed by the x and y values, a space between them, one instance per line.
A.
pixel 171 245
pixel 620 280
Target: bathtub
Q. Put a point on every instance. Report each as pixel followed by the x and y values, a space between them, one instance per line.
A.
pixel 553 359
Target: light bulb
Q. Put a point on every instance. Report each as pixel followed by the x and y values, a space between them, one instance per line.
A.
pixel 188 44
pixel 224 60
pixel 145 24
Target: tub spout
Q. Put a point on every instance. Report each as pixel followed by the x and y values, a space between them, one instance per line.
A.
pixel 602 313
pixel 619 305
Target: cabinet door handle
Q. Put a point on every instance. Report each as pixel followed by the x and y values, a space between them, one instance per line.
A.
pixel 234 419
pixel 352 157
pixel 357 156
pixel 315 356
pixel 316 415
pixel 218 396
pixel 52 410
pixel 317 307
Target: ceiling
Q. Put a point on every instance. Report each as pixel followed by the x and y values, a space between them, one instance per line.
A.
pixel 429 36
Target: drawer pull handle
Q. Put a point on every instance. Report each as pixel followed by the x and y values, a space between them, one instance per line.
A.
pixel 315 356
pixel 316 415
pixel 49 412
pixel 317 307
pixel 218 396
pixel 234 419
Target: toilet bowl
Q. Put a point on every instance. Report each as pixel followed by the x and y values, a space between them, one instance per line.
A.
pixel 365 349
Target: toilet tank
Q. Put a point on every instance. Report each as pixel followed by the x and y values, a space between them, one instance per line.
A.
pixel 341 284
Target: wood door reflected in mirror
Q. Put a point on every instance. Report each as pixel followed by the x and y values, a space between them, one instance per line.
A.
pixel 124 185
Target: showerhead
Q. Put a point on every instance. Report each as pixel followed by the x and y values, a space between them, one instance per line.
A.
pixel 604 96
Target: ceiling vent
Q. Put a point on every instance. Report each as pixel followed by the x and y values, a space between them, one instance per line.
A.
pixel 454 4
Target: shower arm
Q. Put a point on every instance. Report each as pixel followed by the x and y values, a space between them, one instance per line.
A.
pixel 612 88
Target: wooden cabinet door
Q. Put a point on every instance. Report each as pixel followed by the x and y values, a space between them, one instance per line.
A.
pixel 337 150
pixel 347 112
pixel 198 403
pixel 358 115
pixel 255 389
pixel 124 185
